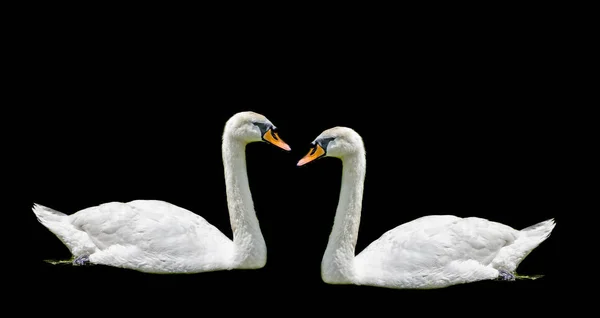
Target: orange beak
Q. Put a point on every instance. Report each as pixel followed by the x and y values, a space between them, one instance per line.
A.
pixel 272 138
pixel 314 153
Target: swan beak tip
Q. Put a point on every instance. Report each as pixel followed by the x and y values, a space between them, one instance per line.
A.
pixel 283 146
pixel 272 138
pixel 314 153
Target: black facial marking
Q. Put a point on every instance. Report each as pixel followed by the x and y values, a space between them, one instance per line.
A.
pixel 263 127
pixel 324 142
pixel 274 129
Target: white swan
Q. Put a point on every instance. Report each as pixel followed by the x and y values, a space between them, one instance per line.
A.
pixel 159 237
pixel 430 252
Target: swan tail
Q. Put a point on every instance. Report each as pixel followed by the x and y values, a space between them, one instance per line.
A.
pixel 539 232
pixel 46 215
pixel 534 236
pixel 529 238
pixel 77 241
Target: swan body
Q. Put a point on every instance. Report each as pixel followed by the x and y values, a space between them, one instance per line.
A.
pixel 433 251
pixel 158 237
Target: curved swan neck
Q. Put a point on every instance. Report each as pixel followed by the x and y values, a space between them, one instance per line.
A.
pixel 249 245
pixel 337 266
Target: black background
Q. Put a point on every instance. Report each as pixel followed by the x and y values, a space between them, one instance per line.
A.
pixel 457 118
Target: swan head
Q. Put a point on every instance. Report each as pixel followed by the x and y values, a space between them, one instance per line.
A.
pixel 337 142
pixel 250 127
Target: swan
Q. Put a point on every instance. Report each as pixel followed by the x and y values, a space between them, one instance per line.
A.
pixel 434 251
pixel 158 237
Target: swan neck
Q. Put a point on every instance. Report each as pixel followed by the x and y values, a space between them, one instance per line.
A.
pixel 249 245
pixel 337 266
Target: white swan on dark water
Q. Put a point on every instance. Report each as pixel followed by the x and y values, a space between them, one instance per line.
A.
pixel 432 251
pixel 158 237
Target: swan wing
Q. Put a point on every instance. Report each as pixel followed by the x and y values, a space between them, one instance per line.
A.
pixel 431 243
pixel 154 227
